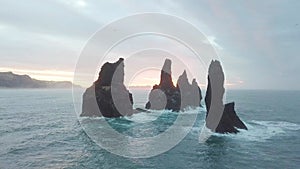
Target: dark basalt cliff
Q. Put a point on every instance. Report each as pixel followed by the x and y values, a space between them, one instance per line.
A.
pixel 190 93
pixel 220 118
pixel 167 96
pixel 108 95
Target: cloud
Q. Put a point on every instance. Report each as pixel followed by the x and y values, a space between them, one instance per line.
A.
pixel 253 38
pixel 212 41
pixel 49 17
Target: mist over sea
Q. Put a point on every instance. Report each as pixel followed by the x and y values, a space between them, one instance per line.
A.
pixel 39 128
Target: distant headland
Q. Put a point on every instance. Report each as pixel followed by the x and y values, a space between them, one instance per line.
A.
pixel 11 80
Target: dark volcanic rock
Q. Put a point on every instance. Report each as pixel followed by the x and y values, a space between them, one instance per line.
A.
pixel 166 76
pixel 220 118
pixel 167 96
pixel 108 95
pixel 190 93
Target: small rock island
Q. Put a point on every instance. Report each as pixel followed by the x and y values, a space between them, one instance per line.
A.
pixel 167 96
pixel 108 95
pixel 220 118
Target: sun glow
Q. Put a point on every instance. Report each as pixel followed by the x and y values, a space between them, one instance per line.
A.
pixel 145 79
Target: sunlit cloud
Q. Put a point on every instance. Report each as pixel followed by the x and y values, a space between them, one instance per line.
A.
pixel 212 40
pixel 75 3
pixel 3 26
pixel 81 3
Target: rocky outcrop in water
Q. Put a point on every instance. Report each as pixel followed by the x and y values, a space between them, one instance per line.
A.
pixel 108 95
pixel 220 118
pixel 167 96
pixel 190 93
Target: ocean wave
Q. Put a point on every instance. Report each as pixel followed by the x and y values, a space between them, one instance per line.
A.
pixel 145 117
pixel 261 131
pixel 281 124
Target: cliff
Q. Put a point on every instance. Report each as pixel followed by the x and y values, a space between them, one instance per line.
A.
pixel 108 95
pixel 167 96
pixel 220 118
pixel 11 80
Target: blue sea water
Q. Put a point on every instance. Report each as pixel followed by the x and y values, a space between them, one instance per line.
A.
pixel 40 129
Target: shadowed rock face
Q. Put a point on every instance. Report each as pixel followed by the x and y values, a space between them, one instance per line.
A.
pixel 166 76
pixel 191 93
pixel 108 95
pixel 220 118
pixel 167 96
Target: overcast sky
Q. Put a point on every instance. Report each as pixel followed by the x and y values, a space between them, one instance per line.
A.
pixel 257 41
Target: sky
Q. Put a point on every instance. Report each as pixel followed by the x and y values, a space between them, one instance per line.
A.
pixel 256 41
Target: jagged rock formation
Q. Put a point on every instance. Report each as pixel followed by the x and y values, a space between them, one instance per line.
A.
pixel 11 80
pixel 220 118
pixel 108 95
pixel 167 96
pixel 190 93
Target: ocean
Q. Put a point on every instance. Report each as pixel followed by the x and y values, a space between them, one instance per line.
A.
pixel 39 128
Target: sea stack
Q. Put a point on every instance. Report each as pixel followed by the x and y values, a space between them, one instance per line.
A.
pixel 108 95
pixel 190 93
pixel 220 118
pixel 167 96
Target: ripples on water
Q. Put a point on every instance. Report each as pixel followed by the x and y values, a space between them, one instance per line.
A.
pixel 39 129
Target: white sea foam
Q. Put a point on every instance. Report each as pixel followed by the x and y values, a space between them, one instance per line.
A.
pixel 279 124
pixel 144 117
pixel 204 134
pixel 262 131
pixel 259 131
